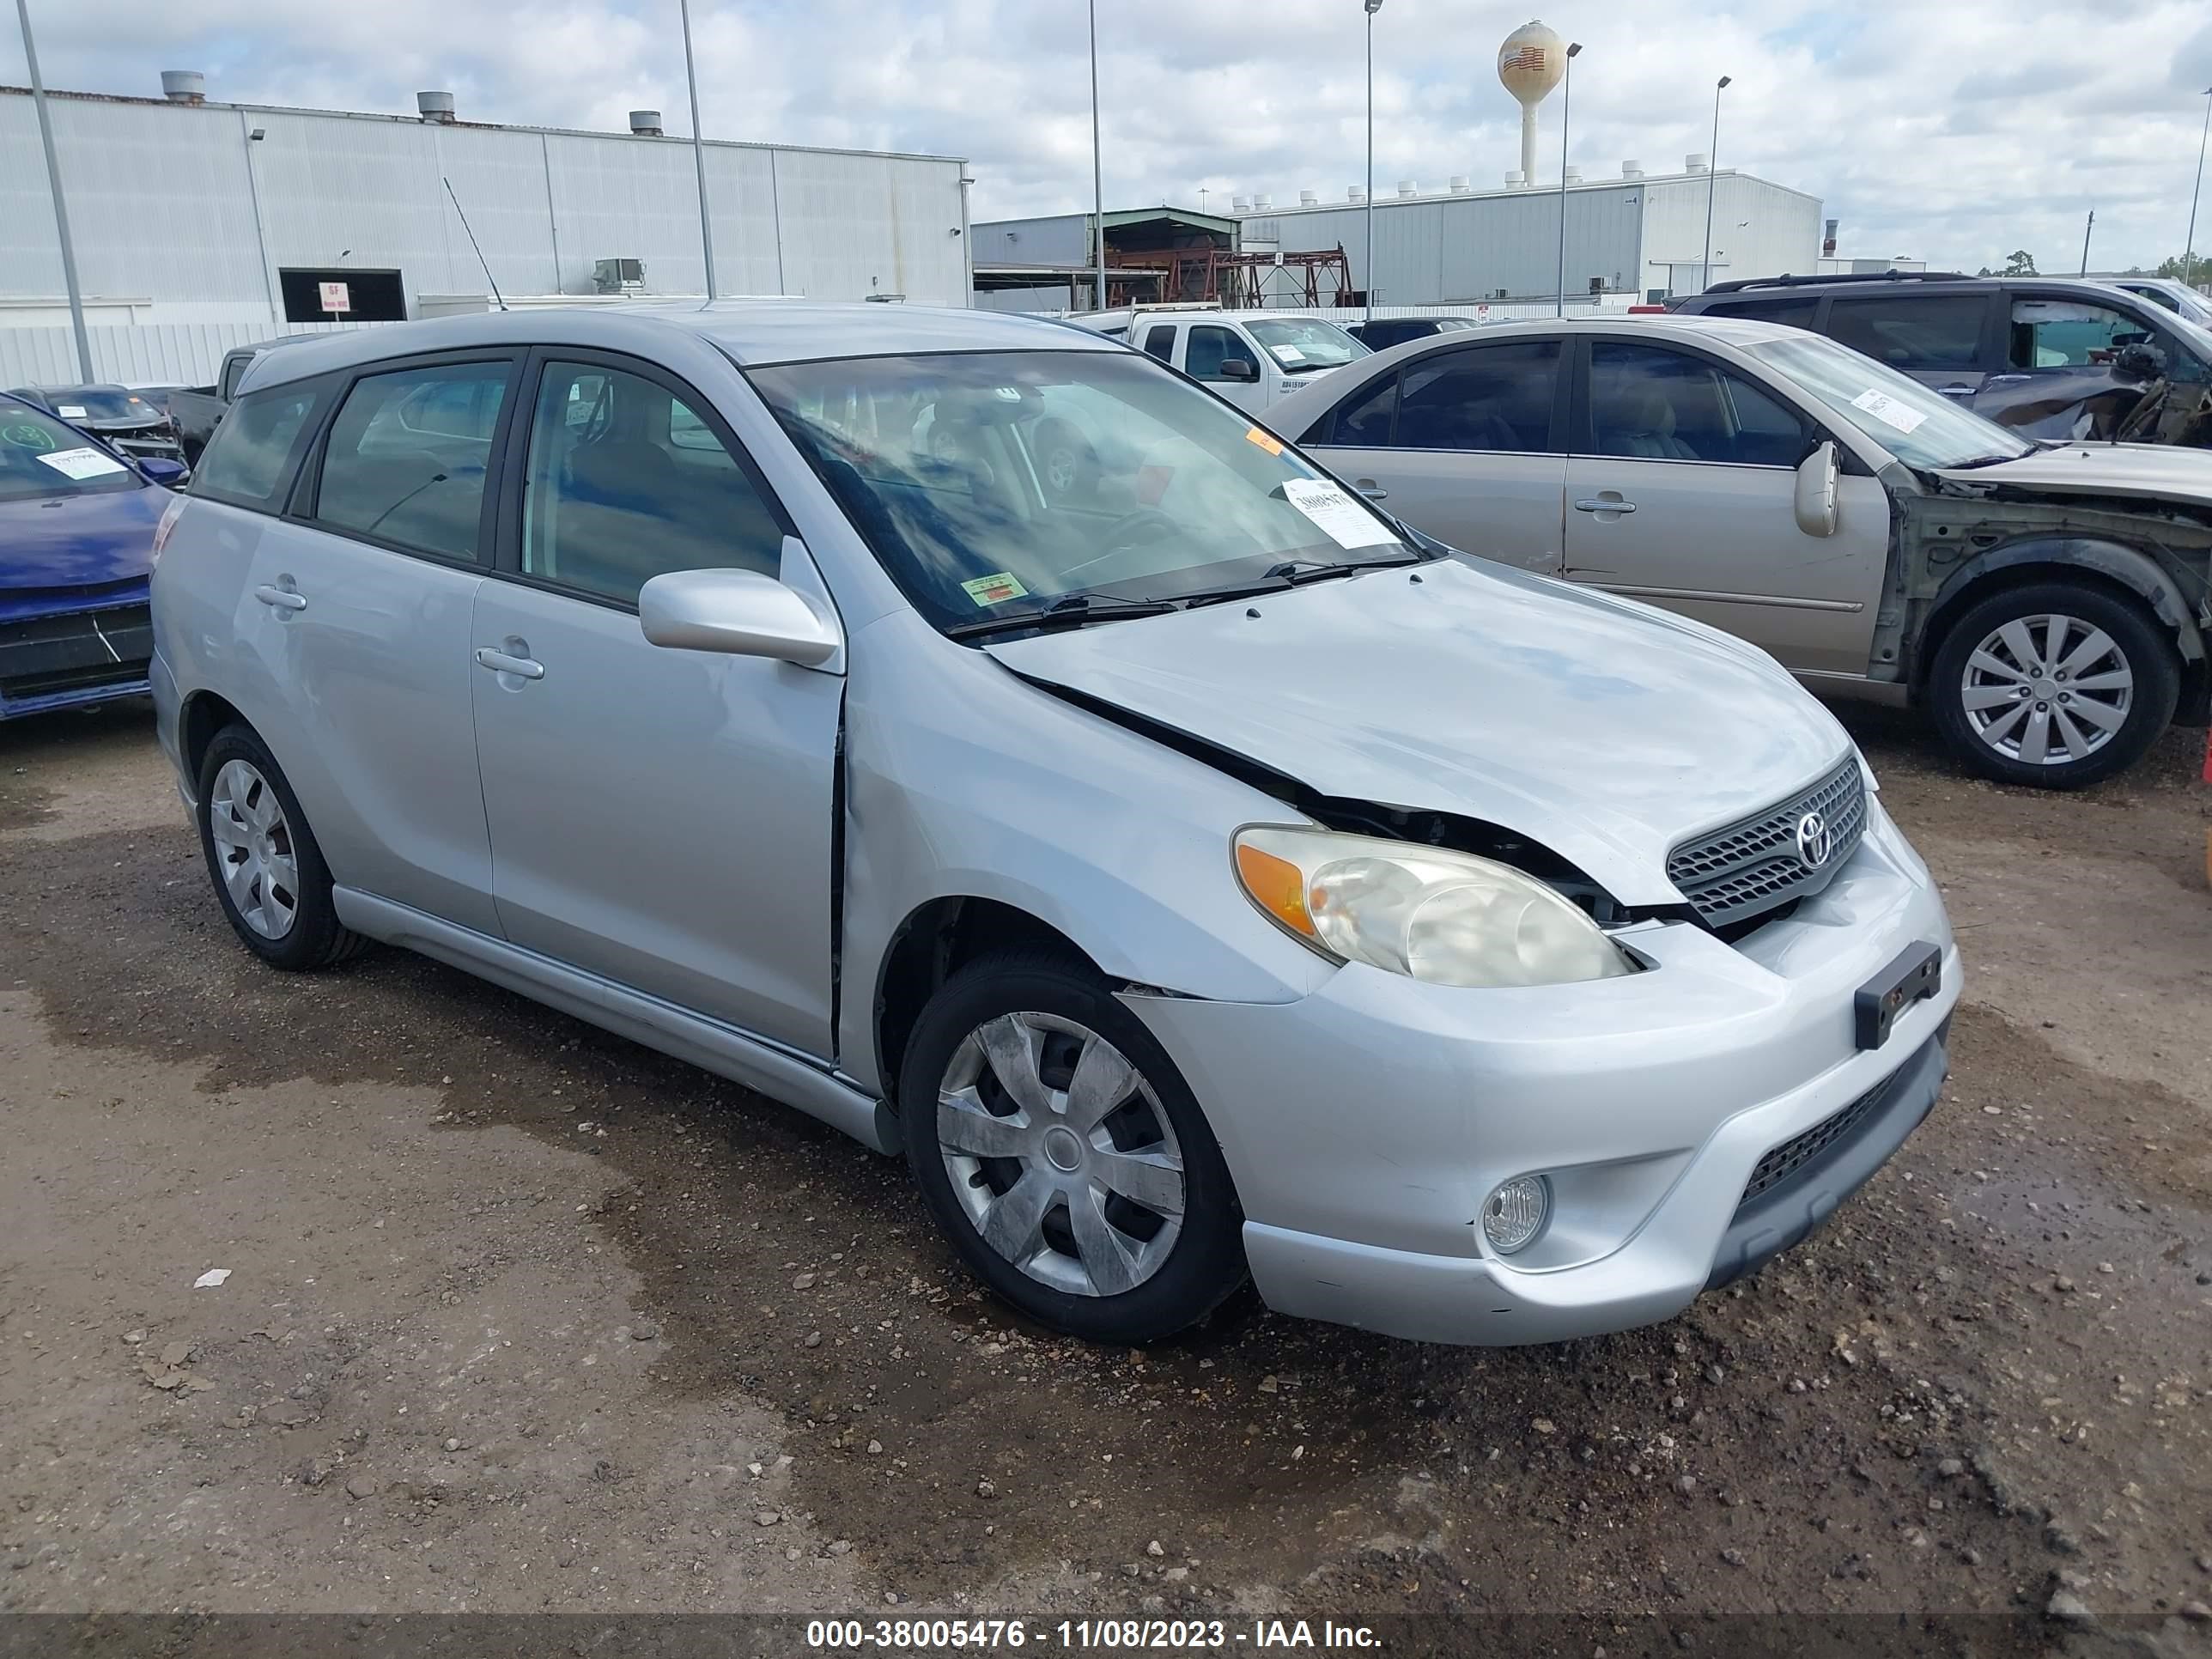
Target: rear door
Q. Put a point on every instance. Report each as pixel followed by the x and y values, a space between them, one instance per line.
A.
pixel 1681 490
pixel 1464 442
pixel 1949 341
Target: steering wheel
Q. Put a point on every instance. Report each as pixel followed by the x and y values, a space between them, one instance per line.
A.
pixel 1124 531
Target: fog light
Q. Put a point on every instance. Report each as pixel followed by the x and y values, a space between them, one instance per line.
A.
pixel 1514 1213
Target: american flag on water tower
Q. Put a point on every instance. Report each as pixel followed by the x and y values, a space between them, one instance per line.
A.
pixel 1526 57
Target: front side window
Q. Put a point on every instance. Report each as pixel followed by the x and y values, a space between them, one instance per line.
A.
pixel 1208 348
pixel 2067 334
pixel 1364 421
pixel 1650 403
pixel 1486 397
pixel 249 460
pixel 408 455
pixel 1909 332
pixel 628 481
pixel 939 461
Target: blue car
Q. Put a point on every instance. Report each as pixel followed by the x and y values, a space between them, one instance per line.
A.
pixel 76 540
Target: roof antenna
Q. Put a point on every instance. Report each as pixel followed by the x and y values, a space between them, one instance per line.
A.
pixel 481 260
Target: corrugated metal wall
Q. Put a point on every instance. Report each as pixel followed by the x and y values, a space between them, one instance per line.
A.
pixel 1059 238
pixel 1782 234
pixel 152 354
pixel 161 206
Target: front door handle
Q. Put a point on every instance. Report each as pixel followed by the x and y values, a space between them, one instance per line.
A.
pixel 282 598
pixel 501 662
pixel 1369 489
pixel 1603 505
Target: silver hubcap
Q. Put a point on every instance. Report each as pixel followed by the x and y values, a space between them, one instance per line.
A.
pixel 1060 1154
pixel 1060 471
pixel 2047 691
pixel 254 850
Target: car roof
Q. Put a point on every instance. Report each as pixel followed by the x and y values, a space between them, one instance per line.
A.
pixel 80 385
pixel 1729 330
pixel 750 332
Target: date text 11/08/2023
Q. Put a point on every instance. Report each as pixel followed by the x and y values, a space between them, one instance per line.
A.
pixel 1125 1635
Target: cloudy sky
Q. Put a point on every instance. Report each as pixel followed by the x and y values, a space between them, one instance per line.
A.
pixel 1953 130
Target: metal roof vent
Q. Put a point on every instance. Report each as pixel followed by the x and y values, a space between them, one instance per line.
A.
pixel 645 123
pixel 1631 169
pixel 1694 161
pixel 1574 175
pixel 1355 193
pixel 1459 185
pixel 1240 204
pixel 1263 203
pixel 1516 180
pixel 184 86
pixel 435 106
pixel 1408 187
pixel 1307 197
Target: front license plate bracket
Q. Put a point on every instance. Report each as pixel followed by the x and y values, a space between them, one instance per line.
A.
pixel 1915 972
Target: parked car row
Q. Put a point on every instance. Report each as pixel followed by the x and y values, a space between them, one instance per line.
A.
pixel 124 418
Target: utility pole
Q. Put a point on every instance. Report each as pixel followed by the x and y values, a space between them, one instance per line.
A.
pixel 2187 251
pixel 1566 109
pixel 1097 174
pixel 61 211
pixel 698 150
pixel 2085 229
pixel 1712 176
pixel 1367 277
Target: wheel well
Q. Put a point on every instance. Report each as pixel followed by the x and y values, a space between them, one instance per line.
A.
pixel 205 714
pixel 2024 575
pixel 933 943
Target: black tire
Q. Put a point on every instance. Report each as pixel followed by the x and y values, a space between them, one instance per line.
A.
pixel 314 937
pixel 1204 1261
pixel 2145 646
pixel 1067 466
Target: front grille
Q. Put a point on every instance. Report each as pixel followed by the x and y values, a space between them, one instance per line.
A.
pixel 1799 1151
pixel 1753 864
pixel 44 655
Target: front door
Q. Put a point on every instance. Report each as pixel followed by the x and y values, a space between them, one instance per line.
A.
pixel 1681 491
pixel 1208 348
pixel 1459 444
pixel 662 819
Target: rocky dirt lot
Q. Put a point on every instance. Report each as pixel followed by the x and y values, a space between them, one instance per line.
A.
pixel 520 1318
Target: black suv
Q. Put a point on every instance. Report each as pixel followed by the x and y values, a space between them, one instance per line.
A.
pixel 2050 357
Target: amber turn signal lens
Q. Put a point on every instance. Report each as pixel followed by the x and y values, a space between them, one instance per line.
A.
pixel 1277 886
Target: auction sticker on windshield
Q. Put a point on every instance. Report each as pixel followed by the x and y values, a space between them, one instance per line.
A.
pixel 1888 410
pixel 82 462
pixel 1288 353
pixel 1342 519
pixel 993 589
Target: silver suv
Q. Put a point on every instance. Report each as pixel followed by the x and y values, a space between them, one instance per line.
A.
pixel 1193 872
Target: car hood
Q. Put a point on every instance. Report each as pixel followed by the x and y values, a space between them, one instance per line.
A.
pixel 2158 471
pixel 77 541
pixel 1600 728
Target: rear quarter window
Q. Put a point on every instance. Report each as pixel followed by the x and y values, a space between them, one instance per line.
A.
pixel 255 452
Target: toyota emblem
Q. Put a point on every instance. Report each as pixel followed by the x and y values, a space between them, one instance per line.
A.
pixel 1814 840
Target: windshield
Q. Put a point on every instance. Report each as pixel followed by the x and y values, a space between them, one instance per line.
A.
pixel 990 484
pixel 41 457
pixel 98 403
pixel 1919 425
pixel 1300 343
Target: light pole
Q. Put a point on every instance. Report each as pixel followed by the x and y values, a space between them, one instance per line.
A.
pixel 1566 105
pixel 1097 176
pixel 699 150
pixel 61 213
pixel 1712 175
pixel 1367 277
pixel 2086 231
pixel 2187 251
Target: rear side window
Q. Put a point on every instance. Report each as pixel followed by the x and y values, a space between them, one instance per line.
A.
pixel 1909 332
pixel 408 456
pixel 1795 312
pixel 1160 341
pixel 249 461
pixel 1492 397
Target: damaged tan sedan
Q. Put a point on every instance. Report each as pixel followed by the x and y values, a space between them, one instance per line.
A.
pixel 2044 603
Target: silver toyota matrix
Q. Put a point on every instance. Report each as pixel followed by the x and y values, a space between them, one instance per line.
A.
pixel 975 734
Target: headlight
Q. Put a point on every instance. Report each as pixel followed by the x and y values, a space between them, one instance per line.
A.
pixel 1449 918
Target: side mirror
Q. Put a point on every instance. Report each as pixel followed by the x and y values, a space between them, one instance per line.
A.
pixel 1814 498
pixel 160 470
pixel 1239 368
pixel 739 613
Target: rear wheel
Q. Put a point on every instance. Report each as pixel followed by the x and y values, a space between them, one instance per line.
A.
pixel 267 871
pixel 1063 1156
pixel 2053 684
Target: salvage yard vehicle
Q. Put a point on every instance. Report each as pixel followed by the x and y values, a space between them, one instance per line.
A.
pixel 1383 332
pixel 1255 359
pixel 1207 877
pixel 117 415
pixel 76 530
pixel 195 411
pixel 2047 605
pixel 2052 357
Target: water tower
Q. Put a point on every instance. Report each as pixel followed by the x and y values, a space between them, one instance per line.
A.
pixel 1530 62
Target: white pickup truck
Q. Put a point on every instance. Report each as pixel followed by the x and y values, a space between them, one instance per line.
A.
pixel 1253 358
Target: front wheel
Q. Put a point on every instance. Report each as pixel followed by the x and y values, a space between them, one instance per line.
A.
pixel 2053 684
pixel 1063 1156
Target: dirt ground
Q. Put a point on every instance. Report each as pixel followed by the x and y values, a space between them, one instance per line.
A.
pixel 522 1318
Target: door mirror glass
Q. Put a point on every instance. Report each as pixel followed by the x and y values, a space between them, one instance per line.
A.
pixel 1816 495
pixel 1239 368
pixel 739 613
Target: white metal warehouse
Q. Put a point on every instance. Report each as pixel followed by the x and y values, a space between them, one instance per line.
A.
pixel 207 224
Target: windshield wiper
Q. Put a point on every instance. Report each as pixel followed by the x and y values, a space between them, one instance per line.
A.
pixel 1072 611
pixel 1295 573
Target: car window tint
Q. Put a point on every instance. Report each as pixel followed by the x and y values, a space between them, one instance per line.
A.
pixel 1160 341
pixel 1796 312
pixel 1365 420
pixel 628 481
pixel 248 461
pixel 1931 331
pixel 1650 403
pixel 1206 350
pixel 407 457
pixel 1493 398
pixel 2067 334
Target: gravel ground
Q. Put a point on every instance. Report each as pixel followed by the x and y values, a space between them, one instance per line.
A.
pixel 522 1318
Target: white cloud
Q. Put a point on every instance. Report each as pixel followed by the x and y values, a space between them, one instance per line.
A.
pixel 1954 132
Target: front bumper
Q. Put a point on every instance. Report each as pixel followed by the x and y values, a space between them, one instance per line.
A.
pixel 65 660
pixel 1365 1124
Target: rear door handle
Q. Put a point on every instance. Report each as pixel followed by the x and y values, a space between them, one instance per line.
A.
pixel 1604 507
pixel 283 599
pixel 500 663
